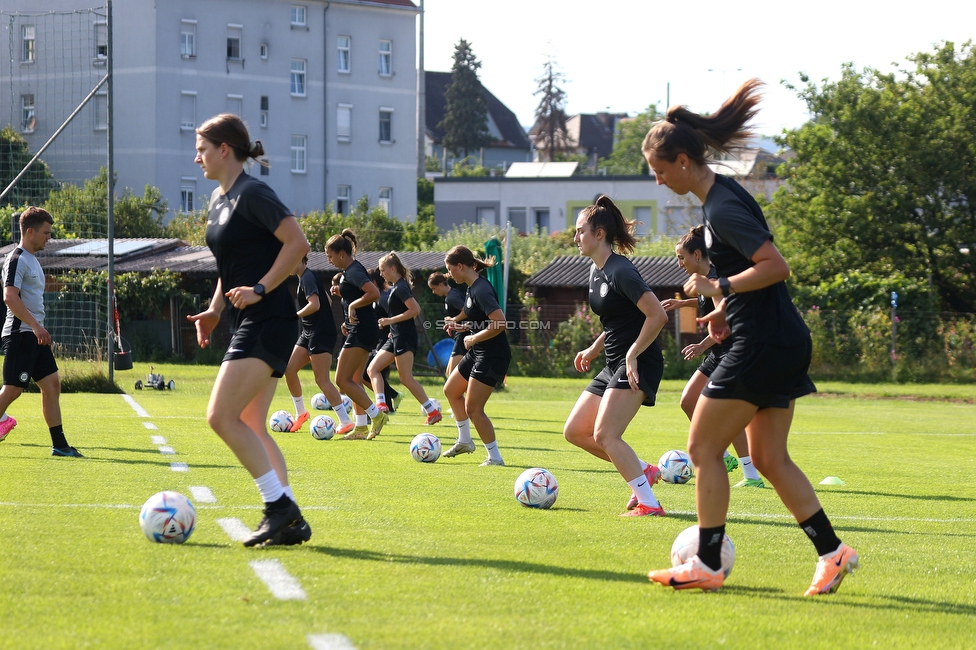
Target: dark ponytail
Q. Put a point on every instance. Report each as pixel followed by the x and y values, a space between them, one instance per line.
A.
pixel 344 242
pixel 694 240
pixel 684 131
pixel 605 214
pixel 230 129
pixel 463 255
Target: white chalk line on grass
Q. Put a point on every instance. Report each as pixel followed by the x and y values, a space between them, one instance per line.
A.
pixel 141 412
pixel 167 450
pixel 280 583
pixel 179 467
pixel 150 426
pixel 158 440
pixel 202 494
pixel 330 642
pixel 234 528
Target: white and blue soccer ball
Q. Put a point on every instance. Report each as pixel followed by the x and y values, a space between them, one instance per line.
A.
pixel 686 546
pixel 425 448
pixel 319 403
pixel 322 427
pixel 536 488
pixel 676 467
pixel 347 402
pixel 435 402
pixel 167 518
pixel 281 421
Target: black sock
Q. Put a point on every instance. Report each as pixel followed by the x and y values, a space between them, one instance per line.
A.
pixel 821 533
pixel 710 546
pixel 57 437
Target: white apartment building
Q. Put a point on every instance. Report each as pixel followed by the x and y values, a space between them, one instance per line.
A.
pixel 330 88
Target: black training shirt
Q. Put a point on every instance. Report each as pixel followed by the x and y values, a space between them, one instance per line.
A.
pixel 322 320
pixel 480 302
pixel 454 301
pixel 614 292
pixel 351 290
pixel 399 296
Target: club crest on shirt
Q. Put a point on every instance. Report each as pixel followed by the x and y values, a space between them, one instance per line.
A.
pixel 708 238
pixel 604 289
pixel 469 303
pixel 224 215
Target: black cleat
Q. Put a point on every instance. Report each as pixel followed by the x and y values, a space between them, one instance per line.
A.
pixel 65 452
pixel 298 533
pixel 277 516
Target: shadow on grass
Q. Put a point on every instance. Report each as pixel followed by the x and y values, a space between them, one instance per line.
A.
pixel 789 523
pixel 913 497
pixel 513 566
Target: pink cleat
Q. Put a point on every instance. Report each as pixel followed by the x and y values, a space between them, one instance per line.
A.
pixel 6 427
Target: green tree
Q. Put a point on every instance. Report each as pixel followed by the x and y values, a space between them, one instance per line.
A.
pixel 884 177
pixel 550 114
pixel 627 157
pixel 423 232
pixel 465 121
pixel 34 186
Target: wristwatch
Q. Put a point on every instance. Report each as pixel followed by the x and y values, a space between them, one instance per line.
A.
pixel 259 289
pixel 727 289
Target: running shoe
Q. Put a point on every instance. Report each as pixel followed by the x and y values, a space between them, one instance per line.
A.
pixel 459 448
pixel 641 510
pixel 693 574
pixel 345 428
pixel 277 516
pixel 488 462
pixel 433 417
pixel 653 475
pixel 377 425
pixel 383 407
pixel 298 533
pixel 731 463
pixel 750 482
pixel 831 571
pixel 66 452
pixel 301 419
pixel 6 427
pixel 396 401
pixel 359 433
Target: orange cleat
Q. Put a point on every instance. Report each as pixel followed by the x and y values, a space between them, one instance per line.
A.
pixel 693 574
pixel 832 570
pixel 299 421
pixel 640 510
pixel 345 428
pixel 382 406
pixel 653 475
pixel 433 417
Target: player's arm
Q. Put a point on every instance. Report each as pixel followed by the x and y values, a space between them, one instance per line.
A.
pixel 496 326
pixel 412 311
pixel 11 298
pixel 207 320
pixel 312 306
pixel 768 268
pixel 654 321
pixel 584 357
pixel 294 248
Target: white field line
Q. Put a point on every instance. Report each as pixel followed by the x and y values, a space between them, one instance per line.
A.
pixel 150 426
pixel 179 467
pixel 202 494
pixel 234 528
pixel 141 412
pixel 158 440
pixel 330 642
pixel 166 449
pixel 281 584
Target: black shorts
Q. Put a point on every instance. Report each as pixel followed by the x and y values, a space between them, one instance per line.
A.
pixel 459 349
pixel 25 359
pixel 710 363
pixel 268 340
pixel 768 376
pixel 488 368
pixel 649 373
pixel 387 346
pixel 317 342
pixel 403 344
pixel 362 337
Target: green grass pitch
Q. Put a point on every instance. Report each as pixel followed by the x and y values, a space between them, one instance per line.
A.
pixel 410 555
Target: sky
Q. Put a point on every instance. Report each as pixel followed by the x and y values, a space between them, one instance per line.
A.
pixel 621 55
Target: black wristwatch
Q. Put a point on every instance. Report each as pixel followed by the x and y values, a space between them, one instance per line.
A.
pixel 259 289
pixel 727 289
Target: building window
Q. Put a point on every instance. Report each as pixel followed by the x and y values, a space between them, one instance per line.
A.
pixel 101 111
pixel 517 217
pixel 298 15
pixel 541 218
pixel 28 119
pixel 486 217
pixel 298 77
pixel 264 111
pixel 386 58
pixel 264 50
pixel 344 122
pixel 642 215
pixel 386 198
pixel 386 125
pixel 28 48
pixel 188 39
pixel 188 188
pixel 188 110
pixel 343 195
pixel 101 41
pixel 345 51
pixel 235 35
pixel 235 105
pixel 298 153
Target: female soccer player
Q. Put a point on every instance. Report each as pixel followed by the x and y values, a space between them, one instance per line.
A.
pixel 454 305
pixel 756 384
pixel 315 344
pixel 403 338
pixel 360 329
pixel 257 242
pixel 693 258
pixel 486 359
pixel 389 399
pixel 632 318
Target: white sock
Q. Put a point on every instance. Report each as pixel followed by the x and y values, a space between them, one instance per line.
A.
pixel 372 411
pixel 4 418
pixel 340 410
pixel 288 493
pixel 748 468
pixel 827 556
pixel 362 419
pixel 643 464
pixel 464 431
pixel 492 448
pixel 428 406
pixel 642 488
pixel 381 397
pixel 299 404
pixel 269 486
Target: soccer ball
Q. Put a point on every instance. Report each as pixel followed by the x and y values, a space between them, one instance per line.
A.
pixel 281 421
pixel 686 546
pixel 676 467
pixel 319 403
pixel 167 518
pixel 425 448
pixel 536 488
pixel 347 402
pixel 437 405
pixel 322 427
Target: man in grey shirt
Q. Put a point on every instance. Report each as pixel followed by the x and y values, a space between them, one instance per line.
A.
pixel 26 344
